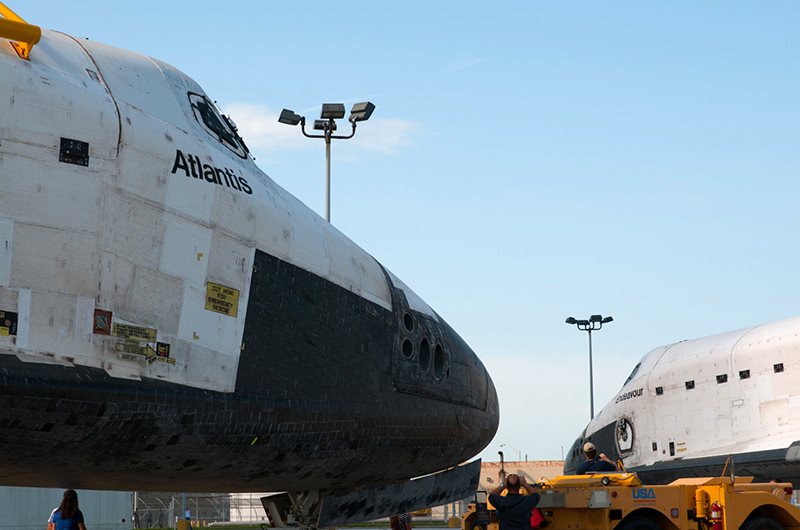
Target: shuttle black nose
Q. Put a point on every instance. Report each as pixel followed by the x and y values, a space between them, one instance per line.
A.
pixel 473 386
pixel 575 457
pixel 492 408
pixel 432 361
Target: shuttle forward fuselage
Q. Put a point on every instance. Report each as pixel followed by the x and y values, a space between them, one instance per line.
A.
pixel 688 406
pixel 173 320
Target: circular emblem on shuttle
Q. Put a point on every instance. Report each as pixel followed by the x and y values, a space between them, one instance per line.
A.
pixel 624 435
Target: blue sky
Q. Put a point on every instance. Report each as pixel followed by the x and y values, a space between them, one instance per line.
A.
pixel 527 161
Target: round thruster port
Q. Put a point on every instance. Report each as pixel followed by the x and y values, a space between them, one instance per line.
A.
pixel 438 362
pixel 408 348
pixel 424 356
pixel 408 321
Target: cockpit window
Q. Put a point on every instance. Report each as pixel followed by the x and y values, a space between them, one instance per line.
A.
pixel 633 374
pixel 217 125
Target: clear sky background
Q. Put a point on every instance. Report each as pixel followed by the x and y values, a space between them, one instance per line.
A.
pixel 527 161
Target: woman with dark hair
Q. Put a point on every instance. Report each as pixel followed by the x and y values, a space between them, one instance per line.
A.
pixel 67 516
pixel 400 522
pixel 394 522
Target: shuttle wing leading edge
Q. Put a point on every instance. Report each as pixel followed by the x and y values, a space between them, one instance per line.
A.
pixel 384 501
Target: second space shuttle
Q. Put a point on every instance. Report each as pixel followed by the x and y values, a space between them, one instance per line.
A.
pixel 687 407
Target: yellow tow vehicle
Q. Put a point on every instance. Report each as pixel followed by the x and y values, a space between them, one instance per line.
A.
pixel 610 501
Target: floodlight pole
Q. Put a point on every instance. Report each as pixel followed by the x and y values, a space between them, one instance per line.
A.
pixel 595 322
pixel 591 376
pixel 330 112
pixel 519 453
pixel 328 177
pixel 331 126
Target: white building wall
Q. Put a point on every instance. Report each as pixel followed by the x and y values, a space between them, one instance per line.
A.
pixel 246 508
pixel 29 508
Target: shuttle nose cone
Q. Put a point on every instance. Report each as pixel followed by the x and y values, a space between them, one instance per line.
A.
pixel 492 411
pixel 434 363
pixel 473 386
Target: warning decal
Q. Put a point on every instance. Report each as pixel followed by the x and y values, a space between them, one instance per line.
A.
pixel 102 322
pixel 162 349
pixel 222 299
pixel 8 323
pixel 127 331
pixel 132 346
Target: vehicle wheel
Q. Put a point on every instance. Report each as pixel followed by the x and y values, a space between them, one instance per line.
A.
pixel 480 526
pixel 640 523
pixel 761 522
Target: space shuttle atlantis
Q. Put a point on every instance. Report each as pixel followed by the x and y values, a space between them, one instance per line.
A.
pixel 173 320
pixel 688 406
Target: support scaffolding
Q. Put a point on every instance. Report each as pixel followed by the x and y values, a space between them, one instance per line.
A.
pixel 23 35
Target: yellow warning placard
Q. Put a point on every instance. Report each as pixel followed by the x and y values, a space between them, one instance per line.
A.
pixel 222 299
pixel 126 331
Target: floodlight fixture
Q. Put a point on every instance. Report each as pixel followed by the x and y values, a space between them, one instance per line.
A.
pixel 361 111
pixel 594 323
pixel 289 117
pixel 332 111
pixel 324 125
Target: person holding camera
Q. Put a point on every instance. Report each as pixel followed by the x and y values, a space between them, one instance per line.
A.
pixel 514 510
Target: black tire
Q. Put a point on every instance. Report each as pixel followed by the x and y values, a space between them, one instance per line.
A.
pixel 476 526
pixel 761 522
pixel 638 523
